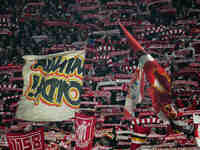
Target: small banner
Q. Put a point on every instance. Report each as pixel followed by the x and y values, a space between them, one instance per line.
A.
pixel 26 141
pixel 52 86
pixel 85 131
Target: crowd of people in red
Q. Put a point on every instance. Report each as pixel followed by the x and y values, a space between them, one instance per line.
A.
pixel 168 29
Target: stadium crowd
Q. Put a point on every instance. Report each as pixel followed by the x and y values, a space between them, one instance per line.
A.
pixel 168 29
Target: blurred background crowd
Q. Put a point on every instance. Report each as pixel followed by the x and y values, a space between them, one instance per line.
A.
pixel 29 27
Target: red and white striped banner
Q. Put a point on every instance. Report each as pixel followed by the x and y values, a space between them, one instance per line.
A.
pixel 84 131
pixel 20 141
pixel 146 121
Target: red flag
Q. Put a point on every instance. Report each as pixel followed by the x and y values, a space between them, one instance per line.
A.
pixel 84 130
pixel 26 141
pixel 158 78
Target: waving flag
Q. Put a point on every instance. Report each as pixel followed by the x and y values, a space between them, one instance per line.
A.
pixel 136 92
pixel 160 83
pixel 52 86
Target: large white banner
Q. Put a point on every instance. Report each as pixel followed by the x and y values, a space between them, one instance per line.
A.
pixel 52 86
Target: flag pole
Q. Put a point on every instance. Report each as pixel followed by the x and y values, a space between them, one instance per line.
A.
pixel 134 43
